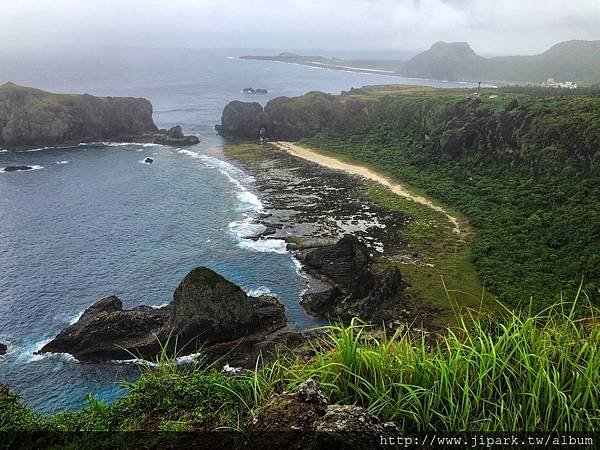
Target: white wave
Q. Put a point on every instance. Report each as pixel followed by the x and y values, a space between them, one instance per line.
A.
pixel 264 245
pixel 246 228
pixel 162 305
pixel 76 317
pixel 262 290
pixel 3 151
pixel 179 360
pixel 63 162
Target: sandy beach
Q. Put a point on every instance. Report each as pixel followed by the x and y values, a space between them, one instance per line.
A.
pixel 355 169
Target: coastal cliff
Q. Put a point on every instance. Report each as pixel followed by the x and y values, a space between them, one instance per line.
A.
pixel 32 117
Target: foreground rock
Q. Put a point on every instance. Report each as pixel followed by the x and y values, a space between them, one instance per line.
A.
pixel 3 349
pixel 359 287
pixel 32 117
pixel 175 137
pixel 304 419
pixel 16 168
pixel 206 310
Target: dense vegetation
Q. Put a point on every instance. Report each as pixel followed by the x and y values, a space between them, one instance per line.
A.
pixel 525 170
pixel 505 372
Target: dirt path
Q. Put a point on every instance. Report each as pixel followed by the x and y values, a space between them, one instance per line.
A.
pixel 396 188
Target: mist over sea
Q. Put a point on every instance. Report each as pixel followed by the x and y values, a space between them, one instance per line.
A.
pixel 94 220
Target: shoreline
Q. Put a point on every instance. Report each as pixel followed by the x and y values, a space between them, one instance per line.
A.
pixel 362 171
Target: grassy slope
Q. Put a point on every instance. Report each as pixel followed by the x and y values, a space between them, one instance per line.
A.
pixel 536 210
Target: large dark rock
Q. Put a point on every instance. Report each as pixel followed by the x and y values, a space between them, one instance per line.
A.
pixel 16 168
pixel 31 117
pixel 359 287
pixel 175 137
pixel 206 310
pixel 3 349
pixel 241 119
pixel 107 331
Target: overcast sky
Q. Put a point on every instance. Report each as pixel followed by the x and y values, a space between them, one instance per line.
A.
pixel 490 26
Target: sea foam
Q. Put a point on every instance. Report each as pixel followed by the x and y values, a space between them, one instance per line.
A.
pixel 246 229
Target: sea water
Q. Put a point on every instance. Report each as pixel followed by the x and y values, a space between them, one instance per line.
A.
pixel 95 220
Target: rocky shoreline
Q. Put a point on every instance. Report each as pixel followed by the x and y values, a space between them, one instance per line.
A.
pixel 347 245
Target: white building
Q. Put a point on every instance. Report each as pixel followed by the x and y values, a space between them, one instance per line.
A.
pixel 552 83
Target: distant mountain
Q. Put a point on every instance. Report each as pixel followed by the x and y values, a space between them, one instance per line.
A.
pixel 577 61
pixel 446 61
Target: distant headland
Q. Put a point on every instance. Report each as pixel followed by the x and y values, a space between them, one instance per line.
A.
pixel 34 118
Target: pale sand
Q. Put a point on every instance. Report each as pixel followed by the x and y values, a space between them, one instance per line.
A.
pixel 396 188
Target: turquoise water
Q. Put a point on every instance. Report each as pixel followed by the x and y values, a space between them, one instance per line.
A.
pixel 94 220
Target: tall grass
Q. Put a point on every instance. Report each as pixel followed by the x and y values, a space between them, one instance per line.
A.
pixel 514 372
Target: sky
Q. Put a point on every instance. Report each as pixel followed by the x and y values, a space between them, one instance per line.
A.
pixel 492 27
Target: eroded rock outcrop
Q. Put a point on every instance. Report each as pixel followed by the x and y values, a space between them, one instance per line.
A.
pixel 241 119
pixel 304 419
pixel 359 287
pixel 107 331
pixel 292 118
pixel 206 309
pixel 175 137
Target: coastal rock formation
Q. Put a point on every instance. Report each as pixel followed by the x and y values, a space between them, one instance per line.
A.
pixel 285 118
pixel 252 91
pixel 359 287
pixel 304 419
pixel 241 119
pixel 206 309
pixel 107 331
pixel 3 349
pixel 31 117
pixel 175 137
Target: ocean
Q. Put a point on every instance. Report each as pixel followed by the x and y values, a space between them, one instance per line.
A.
pixel 94 220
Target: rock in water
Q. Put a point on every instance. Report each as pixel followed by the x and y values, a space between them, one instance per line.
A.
pixel 148 160
pixel 175 137
pixel 16 168
pixel 207 308
pixel 3 349
pixel 359 288
pixel 106 331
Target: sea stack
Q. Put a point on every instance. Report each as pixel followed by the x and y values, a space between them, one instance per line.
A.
pixel 206 309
